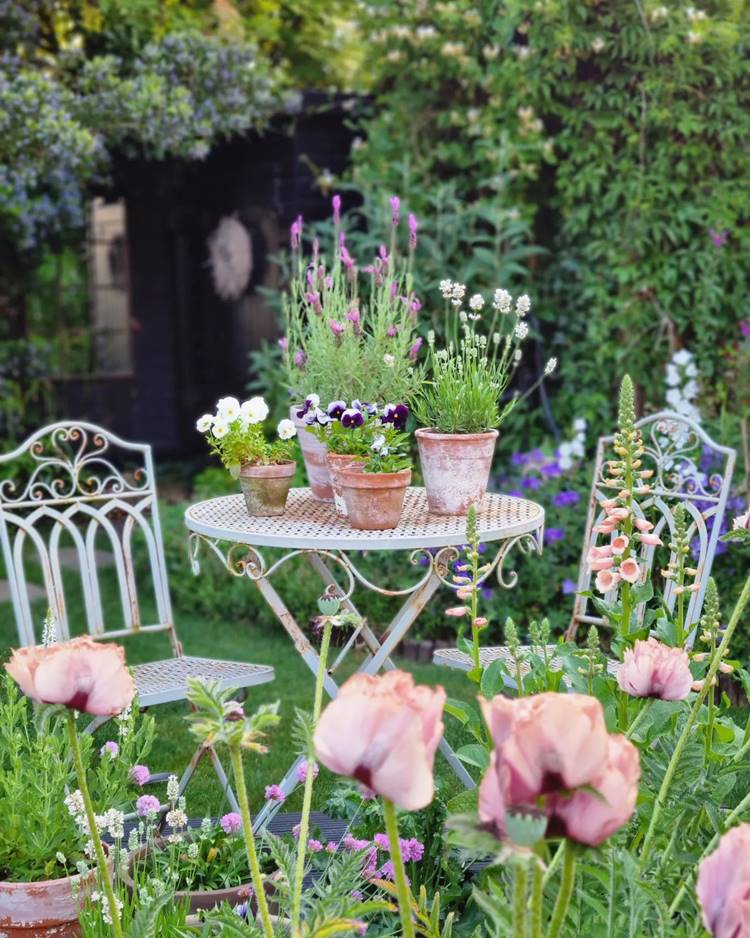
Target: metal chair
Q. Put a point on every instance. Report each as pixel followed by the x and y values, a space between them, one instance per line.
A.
pixel 689 467
pixel 76 479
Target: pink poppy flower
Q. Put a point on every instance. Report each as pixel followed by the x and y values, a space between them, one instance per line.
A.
pixel 607 580
pixel 629 570
pixel 653 669
pixel 81 674
pixel 723 886
pixel 383 731
pixel 550 749
pixel 620 544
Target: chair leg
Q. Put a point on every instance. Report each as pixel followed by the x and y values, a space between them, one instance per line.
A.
pixel 208 750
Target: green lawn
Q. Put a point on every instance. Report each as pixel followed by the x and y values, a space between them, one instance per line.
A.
pixel 262 641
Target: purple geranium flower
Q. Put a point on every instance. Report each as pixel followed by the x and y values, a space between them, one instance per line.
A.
pixel 531 482
pixel 551 470
pixel 551 535
pixel 518 459
pixel 745 328
pixel 569 586
pixel 566 498
pixel 719 238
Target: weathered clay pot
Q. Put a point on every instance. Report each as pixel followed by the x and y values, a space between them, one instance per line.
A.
pixel 314 454
pixel 374 499
pixel 266 487
pixel 45 909
pixel 336 463
pixel 456 468
pixel 205 899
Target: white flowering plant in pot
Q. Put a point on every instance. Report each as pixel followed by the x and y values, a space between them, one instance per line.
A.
pixel 462 405
pixel 264 468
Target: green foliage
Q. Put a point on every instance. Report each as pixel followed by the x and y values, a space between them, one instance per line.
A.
pixel 218 718
pixel 38 837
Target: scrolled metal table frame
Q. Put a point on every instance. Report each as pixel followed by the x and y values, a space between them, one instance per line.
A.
pixel 312 530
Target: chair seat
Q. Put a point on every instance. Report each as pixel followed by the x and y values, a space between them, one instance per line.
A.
pixel 159 682
pixel 453 658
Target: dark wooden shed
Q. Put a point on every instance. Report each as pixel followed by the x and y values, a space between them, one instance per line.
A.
pixel 185 345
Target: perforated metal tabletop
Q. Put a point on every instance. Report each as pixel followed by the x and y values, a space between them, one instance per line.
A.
pixel 312 524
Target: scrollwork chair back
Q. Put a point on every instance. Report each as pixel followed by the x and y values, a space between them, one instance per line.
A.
pixel 689 468
pixel 78 481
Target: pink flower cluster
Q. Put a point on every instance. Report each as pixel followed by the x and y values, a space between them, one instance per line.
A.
pixel 614 562
pixel 653 669
pixel 231 823
pixel 553 755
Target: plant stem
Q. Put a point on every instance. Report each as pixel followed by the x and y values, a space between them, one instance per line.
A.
pixel 553 864
pixel 692 716
pixel 537 892
pixel 304 825
pixel 566 890
pixel 402 887
pixel 235 754
pixel 101 858
pixel 520 885
pixel 638 719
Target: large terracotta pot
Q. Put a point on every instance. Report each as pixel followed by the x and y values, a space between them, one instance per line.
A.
pixel 456 468
pixel 374 500
pixel 45 909
pixel 266 487
pixel 314 454
pixel 336 462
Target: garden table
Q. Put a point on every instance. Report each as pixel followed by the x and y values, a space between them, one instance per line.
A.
pixel 314 530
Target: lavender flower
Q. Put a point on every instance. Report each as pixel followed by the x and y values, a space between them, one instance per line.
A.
pixel 300 358
pixel 413 225
pixel 336 327
pixel 283 343
pixel 414 350
pixel 391 332
pixel 295 233
pixel 336 203
pixel 395 206
pixel 346 259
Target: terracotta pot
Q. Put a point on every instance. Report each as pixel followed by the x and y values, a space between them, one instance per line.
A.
pixel 266 487
pixel 336 463
pixel 374 499
pixel 198 899
pixel 314 454
pixel 45 909
pixel 456 468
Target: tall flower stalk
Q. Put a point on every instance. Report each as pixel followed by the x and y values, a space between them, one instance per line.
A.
pixel 399 873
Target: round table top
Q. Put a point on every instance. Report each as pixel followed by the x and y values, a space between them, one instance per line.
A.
pixel 309 523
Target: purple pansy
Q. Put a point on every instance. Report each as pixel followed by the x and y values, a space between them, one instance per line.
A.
pixel 335 409
pixel 566 498
pixel 352 418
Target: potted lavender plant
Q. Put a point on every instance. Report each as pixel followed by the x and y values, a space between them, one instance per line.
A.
pixel 264 469
pixel 460 408
pixel 349 332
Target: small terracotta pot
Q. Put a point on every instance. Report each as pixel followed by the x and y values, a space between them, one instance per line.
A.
pixel 314 455
pixel 374 499
pixel 456 468
pixel 45 909
pixel 198 899
pixel 266 487
pixel 336 463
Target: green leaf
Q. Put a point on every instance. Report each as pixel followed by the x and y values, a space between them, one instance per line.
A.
pixel 493 679
pixel 474 754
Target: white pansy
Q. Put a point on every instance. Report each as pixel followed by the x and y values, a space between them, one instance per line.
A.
pixel 219 429
pixel 314 400
pixel 228 409
pixel 254 410
pixel 286 430
pixel 476 302
pixel 203 424
pixel 378 443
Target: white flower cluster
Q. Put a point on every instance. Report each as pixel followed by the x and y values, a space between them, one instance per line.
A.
pixel 229 409
pixel 682 386
pixel 570 450
pixel 502 301
pixel 455 292
pixel 97 896
pixel 49 630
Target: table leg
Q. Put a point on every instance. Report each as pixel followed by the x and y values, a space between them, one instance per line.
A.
pixel 407 615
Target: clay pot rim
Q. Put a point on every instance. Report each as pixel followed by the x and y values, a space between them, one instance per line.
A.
pixel 431 433
pixel 271 471
pixel 357 479
pixel 354 459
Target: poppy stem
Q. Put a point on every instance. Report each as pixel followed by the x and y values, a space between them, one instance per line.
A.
pixel 399 873
pixel 537 893
pixel 101 858
pixel 304 825
pixel 520 886
pixel 566 890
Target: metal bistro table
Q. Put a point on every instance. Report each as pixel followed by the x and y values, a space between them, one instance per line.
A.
pixel 313 529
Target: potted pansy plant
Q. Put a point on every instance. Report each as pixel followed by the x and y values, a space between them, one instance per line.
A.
pixel 350 329
pixel 461 406
pixel 264 468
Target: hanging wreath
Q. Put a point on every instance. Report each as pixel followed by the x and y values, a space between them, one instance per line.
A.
pixel 231 258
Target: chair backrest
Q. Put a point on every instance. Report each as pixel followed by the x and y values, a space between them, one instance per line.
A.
pixel 78 482
pixel 689 468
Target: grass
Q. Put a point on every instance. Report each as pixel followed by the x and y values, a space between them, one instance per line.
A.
pixel 264 641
